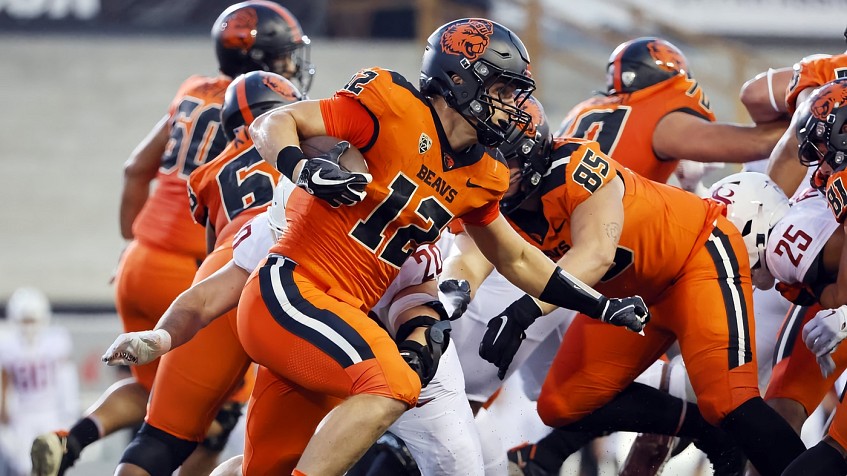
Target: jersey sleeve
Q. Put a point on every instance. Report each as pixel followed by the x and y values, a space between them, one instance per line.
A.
pixel 346 118
pixel 252 242
pixel 807 74
pixel 483 215
pixel 581 169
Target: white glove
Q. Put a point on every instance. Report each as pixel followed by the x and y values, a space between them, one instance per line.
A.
pixel 826 364
pixel 138 348
pixel 824 332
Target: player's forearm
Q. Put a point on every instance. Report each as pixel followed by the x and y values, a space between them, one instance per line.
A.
pixel 469 265
pixel 134 196
pixel 272 133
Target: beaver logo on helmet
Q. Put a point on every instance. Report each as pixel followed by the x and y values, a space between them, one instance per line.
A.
pixel 283 88
pixel 533 107
pixel 667 57
pixel 832 96
pixel 469 39
pixel 239 30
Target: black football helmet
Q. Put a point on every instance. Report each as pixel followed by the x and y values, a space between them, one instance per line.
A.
pixel 643 62
pixel 532 151
pixel 260 35
pixel 481 53
pixel 822 127
pixel 253 94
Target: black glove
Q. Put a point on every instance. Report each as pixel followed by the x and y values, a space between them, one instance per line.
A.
pixel 455 295
pixel 628 312
pixel 505 333
pixel 324 178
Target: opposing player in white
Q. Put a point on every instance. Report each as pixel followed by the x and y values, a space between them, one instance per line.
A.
pixel 40 389
pixel 439 432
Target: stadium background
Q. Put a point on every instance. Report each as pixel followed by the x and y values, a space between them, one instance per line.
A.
pixel 83 81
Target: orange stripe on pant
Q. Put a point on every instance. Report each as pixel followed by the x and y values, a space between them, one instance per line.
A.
pixel 313 344
pixel 197 378
pixel 146 283
pixel 596 360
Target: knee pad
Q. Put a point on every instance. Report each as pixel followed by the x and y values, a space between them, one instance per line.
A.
pixel 157 452
pixel 227 417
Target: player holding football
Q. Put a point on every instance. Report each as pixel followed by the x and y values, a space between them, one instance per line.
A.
pixel 301 313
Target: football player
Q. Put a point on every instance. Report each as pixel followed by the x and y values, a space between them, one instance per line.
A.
pixel 776 95
pixel 39 389
pixel 166 247
pixel 628 234
pixel 440 434
pixel 302 312
pixel 655 113
pixel 822 135
pixel 224 193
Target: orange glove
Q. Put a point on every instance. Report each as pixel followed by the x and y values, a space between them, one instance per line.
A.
pixel 798 293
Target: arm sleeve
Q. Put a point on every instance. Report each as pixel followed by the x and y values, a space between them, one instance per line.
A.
pixel 347 118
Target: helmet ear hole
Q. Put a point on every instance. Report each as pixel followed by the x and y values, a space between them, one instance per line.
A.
pixel 748 227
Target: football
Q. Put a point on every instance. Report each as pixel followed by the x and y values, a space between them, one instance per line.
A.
pixel 351 160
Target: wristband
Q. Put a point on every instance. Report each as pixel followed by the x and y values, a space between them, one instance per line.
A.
pixel 287 160
pixel 567 291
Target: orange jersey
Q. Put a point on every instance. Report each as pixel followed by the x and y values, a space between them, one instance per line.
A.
pixel 419 185
pixel 232 188
pixel 662 224
pixel 623 124
pixel 195 137
pixel 813 72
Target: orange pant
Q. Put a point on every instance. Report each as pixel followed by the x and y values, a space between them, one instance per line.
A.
pixel 195 379
pixel 796 373
pixel 148 279
pixel 838 428
pixel 316 347
pixel 709 309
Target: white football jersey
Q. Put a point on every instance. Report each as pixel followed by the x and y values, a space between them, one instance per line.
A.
pixel 798 238
pixel 34 368
pixel 252 242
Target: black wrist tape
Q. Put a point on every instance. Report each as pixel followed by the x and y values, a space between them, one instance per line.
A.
pixel 287 160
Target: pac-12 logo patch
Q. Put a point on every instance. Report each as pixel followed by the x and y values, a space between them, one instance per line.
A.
pixel 424 143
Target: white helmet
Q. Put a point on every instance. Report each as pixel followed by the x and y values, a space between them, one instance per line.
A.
pixel 754 204
pixel 28 305
pixel 276 212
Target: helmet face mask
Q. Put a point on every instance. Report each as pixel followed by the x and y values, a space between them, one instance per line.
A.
pixel 259 35
pixel 532 153
pixel 481 69
pixel 640 63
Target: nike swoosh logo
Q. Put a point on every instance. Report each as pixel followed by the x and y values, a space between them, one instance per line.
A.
pixel 557 229
pixel 472 185
pixel 318 180
pixel 502 325
pixel 424 402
